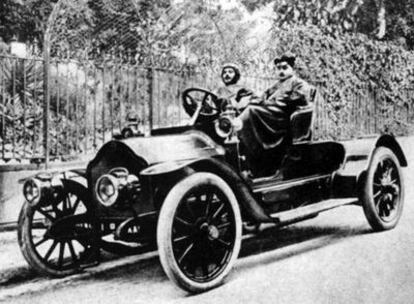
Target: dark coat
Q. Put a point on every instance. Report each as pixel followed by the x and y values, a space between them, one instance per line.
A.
pixel 266 124
pixel 287 95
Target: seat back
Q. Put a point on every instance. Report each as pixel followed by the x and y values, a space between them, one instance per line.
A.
pixel 301 121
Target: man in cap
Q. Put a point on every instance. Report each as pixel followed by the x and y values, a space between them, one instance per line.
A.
pixel 233 92
pixel 265 126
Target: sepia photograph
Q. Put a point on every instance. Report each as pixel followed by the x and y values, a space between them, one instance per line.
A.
pixel 206 151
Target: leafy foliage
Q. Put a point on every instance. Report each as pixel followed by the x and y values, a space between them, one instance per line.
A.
pixel 25 19
pixel 21 88
pixel 253 5
pixel 348 66
pixel 383 19
pixel 101 27
pixel 332 38
pixel 401 22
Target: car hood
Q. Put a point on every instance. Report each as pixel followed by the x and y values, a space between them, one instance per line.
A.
pixel 190 145
pixel 164 148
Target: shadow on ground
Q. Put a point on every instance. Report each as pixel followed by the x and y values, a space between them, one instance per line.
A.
pixel 294 240
pixel 291 241
pixel 270 239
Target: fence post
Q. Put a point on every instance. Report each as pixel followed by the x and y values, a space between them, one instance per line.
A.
pixel 46 101
pixel 374 95
pixel 150 90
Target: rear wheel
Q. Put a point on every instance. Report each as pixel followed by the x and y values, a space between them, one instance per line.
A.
pixel 58 239
pixel 383 191
pixel 199 232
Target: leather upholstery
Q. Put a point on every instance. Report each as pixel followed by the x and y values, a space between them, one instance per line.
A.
pixel 301 121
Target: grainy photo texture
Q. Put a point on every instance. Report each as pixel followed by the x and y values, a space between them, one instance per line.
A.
pixel 206 151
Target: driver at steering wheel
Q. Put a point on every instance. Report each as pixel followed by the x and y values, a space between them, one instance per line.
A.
pixel 237 95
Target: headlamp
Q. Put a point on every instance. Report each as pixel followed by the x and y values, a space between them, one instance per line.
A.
pixel 32 191
pixel 107 190
pixel 109 186
pixel 224 127
pixel 38 189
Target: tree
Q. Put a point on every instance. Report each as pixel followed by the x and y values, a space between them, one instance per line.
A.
pixel 25 19
pixel 388 20
pixel 380 19
pixel 400 21
pixel 252 5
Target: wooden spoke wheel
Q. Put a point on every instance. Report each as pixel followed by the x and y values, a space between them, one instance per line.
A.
pixel 383 191
pixel 199 232
pixel 58 239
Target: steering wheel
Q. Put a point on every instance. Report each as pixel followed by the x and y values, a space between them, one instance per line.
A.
pixel 200 103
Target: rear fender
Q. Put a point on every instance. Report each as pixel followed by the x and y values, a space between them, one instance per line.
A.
pixel 356 162
pixel 387 141
pixel 348 180
pixel 391 143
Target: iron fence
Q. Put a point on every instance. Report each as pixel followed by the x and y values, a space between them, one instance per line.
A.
pixel 90 101
pixel 21 99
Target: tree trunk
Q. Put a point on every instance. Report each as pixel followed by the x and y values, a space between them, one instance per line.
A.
pixel 382 24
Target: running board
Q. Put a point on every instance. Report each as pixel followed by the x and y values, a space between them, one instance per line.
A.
pixel 308 211
pixel 268 185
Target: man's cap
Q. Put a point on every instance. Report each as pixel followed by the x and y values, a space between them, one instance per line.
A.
pixel 289 58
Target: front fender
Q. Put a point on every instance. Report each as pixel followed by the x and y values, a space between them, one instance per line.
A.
pixel 168 167
pixel 67 174
pixel 250 207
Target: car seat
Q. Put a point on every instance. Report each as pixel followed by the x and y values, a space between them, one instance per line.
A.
pixel 301 121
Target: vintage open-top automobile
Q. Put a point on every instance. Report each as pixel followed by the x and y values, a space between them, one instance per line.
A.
pixel 188 191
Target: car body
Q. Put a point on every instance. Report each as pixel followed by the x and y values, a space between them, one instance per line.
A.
pixel 187 191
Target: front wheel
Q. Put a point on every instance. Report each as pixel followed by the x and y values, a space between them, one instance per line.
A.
pixel 60 238
pixel 199 232
pixel 383 190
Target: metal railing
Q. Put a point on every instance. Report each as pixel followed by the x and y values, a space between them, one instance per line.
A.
pixel 90 101
pixel 21 99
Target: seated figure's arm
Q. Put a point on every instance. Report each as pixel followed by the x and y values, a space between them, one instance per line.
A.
pixel 223 92
pixel 256 99
pixel 246 97
pixel 300 94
